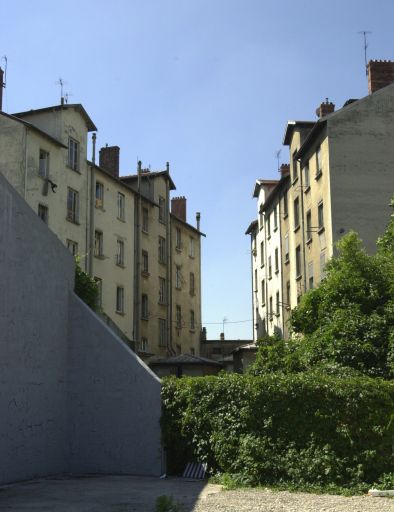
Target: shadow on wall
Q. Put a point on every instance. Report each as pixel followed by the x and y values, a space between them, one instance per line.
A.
pixel 74 397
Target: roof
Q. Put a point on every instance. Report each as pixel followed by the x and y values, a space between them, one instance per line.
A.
pixel 261 182
pixel 34 128
pixel 252 227
pixel 184 359
pixel 188 225
pixel 271 196
pixel 249 346
pixel 290 128
pixel 77 106
pixel 134 177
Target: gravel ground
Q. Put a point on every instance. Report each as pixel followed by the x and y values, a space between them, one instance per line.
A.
pixel 269 501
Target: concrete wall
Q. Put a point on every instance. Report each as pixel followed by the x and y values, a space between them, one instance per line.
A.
pixel 72 396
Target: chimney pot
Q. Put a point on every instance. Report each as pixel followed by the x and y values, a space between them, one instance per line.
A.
pixel 109 159
pixel 380 74
pixel 222 336
pixel 198 217
pixel 284 170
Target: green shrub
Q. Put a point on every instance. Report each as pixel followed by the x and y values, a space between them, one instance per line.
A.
pixel 274 428
pixel 85 286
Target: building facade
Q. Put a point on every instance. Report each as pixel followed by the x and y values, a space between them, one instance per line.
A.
pixel 340 178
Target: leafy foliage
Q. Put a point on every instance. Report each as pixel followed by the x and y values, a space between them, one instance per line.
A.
pixel 166 503
pixel 85 286
pixel 302 428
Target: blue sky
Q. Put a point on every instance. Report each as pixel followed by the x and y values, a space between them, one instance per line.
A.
pixel 207 85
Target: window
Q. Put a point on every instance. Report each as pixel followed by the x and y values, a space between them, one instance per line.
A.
pixel 145 220
pixel 120 252
pixel 263 292
pixel 144 307
pixel 43 213
pixel 99 300
pixel 275 218
pixel 99 195
pixel 319 168
pixel 162 291
pixel 322 265
pixel 298 261
pixel 178 239
pixel 288 294
pixel 276 260
pixel 308 226
pixel 121 206
pixel 72 205
pixel 320 216
pixel 120 300
pixel 268 226
pixel 43 165
pixel 261 215
pixel 192 284
pixel 145 262
pixel 162 209
pixel 262 254
pixel 162 250
pixel 269 267
pixel 73 154
pixel 178 317
pixel 277 304
pixel 191 247
pixel 143 344
pixel 162 332
pixel 178 277
pixel 306 177
pixel 310 275
pixel 255 280
pixel 296 213
pixel 192 321
pixel 98 244
pixel 285 205
pixel 286 248
pixel 72 247
pixel 270 309
pixel 295 167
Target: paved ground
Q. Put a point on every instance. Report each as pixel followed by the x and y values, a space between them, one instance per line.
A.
pixel 100 494
pixel 139 494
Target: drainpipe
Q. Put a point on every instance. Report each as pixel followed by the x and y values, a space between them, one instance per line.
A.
pixel 198 217
pixel 254 330
pixel 25 166
pixel 92 205
pixel 302 226
pixel 169 264
pixel 137 259
pixel 281 266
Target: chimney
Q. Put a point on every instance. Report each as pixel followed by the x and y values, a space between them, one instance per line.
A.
pixel 178 207
pixel 203 334
pixel 222 336
pixel 198 217
pixel 109 159
pixel 380 74
pixel 284 170
pixel 325 108
pixel 1 89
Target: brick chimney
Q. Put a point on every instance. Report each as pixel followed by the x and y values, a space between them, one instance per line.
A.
pixel 380 74
pixel 178 207
pixel 109 159
pixel 284 170
pixel 222 336
pixel 1 88
pixel 325 108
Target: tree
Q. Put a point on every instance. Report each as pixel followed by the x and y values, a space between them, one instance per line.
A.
pixel 85 286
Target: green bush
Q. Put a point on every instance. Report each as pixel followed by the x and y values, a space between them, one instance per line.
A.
pixel 85 286
pixel 273 428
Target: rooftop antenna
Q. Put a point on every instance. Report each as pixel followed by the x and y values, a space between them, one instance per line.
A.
pixel 5 70
pixel 365 32
pixel 277 154
pixel 61 82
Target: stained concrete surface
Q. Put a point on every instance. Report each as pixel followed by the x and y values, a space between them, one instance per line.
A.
pixel 101 494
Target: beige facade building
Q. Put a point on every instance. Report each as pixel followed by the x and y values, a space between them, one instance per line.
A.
pixel 340 179
pixel 121 227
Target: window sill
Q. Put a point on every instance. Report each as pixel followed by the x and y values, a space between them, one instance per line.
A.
pixel 277 272
pixel 287 261
pixel 146 318
pixel 144 273
pixel 262 265
pixel 99 256
pixel 269 237
pixel 178 249
pixel 192 330
pixel 162 303
pixel 270 277
pixel 275 228
pixel 75 170
pixel 307 189
pixel 296 228
pixel 285 215
pixel 318 175
pixel 192 294
pixel 320 230
pixel 120 265
pixel 309 241
pixel 120 219
pixel 163 263
pixel 298 278
pixel 191 256
pixel 263 305
pixel 73 221
pixel 121 313
pixel 100 208
pixel 145 231
pixel 294 181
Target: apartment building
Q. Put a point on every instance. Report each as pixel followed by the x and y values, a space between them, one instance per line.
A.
pixel 340 178
pixel 121 227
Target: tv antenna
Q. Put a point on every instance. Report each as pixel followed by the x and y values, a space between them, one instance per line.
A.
pixel 364 33
pixel 5 70
pixel 62 83
pixel 277 154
